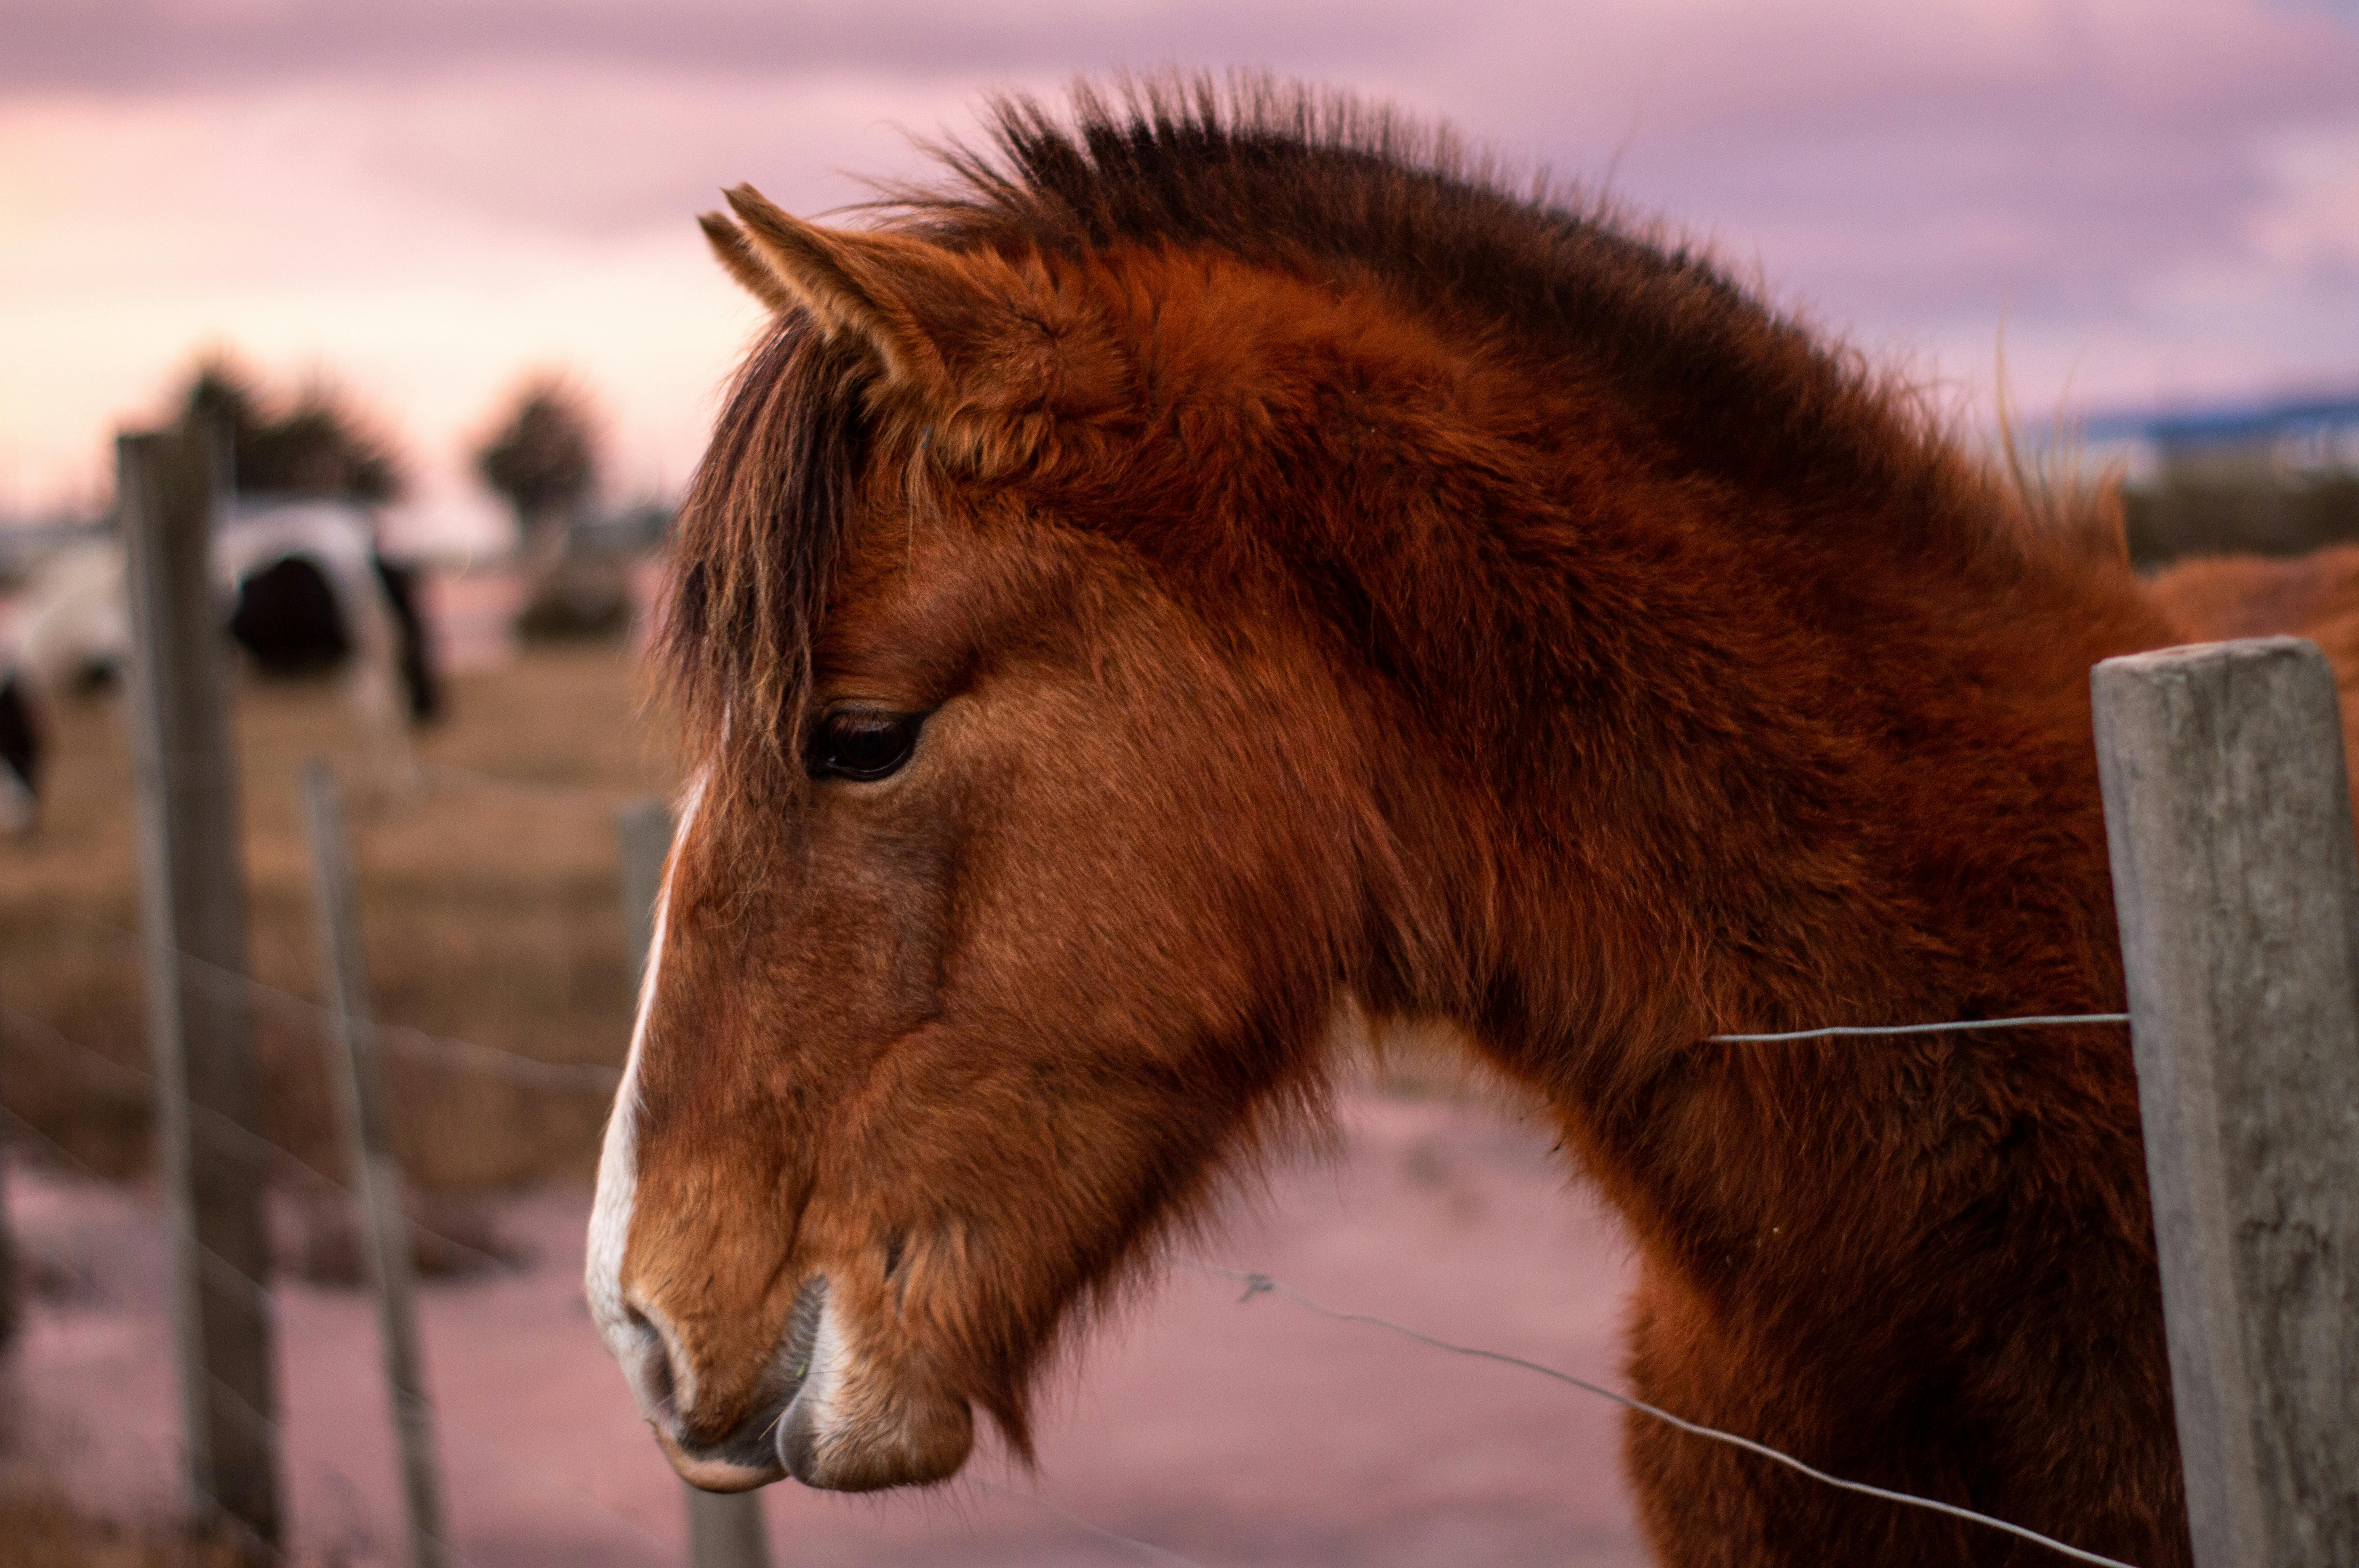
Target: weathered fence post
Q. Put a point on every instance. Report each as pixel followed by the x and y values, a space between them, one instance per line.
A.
pixel 192 897
pixel 724 1530
pixel 11 1306
pixel 2229 818
pixel 369 1156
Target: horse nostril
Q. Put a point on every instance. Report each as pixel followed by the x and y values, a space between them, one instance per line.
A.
pixel 655 1356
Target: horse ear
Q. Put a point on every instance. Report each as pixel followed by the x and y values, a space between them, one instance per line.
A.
pixel 861 285
pixel 738 256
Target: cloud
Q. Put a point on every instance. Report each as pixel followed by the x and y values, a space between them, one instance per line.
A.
pixel 429 194
pixel 121 46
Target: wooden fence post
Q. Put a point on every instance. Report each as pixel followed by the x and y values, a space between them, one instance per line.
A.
pixel 192 899
pixel 724 1530
pixel 2228 814
pixel 369 1156
pixel 11 1305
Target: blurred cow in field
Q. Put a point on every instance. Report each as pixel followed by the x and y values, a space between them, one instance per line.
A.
pixel 304 592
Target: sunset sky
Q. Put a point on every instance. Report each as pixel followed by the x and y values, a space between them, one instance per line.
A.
pixel 427 198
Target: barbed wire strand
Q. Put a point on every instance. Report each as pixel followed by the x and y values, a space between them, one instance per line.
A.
pixel 216 1514
pixel 420 778
pixel 454 779
pixel 1147 1548
pixel 219 1267
pixel 223 1269
pixel 280 1157
pixel 665 1551
pixel 596 1075
pixel 587 1076
pixel 515 1063
pixel 575 1076
pixel 1261 1284
pixel 2044 1021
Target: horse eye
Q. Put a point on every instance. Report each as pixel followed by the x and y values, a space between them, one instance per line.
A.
pixel 862 743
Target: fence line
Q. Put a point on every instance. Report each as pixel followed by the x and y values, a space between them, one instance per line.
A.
pixel 377 1174
pixel 1255 1283
pixel 283 1157
pixel 588 1075
pixel 2229 835
pixel 598 1077
pixel 1263 1284
pixel 192 894
pixel 219 1268
pixel 571 1076
pixel 90 1283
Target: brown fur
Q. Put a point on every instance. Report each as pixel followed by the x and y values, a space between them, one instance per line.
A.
pixel 1337 582
pixel 2315 596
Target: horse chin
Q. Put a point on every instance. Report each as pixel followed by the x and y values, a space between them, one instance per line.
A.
pixel 908 1449
pixel 852 1428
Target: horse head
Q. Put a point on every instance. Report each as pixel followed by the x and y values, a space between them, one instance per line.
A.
pixel 1022 874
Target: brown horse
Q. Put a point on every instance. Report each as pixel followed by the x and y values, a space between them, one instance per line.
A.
pixel 1225 567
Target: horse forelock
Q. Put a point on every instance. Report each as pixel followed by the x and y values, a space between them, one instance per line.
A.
pixel 764 527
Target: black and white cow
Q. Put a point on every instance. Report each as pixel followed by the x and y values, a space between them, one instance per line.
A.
pixel 304 590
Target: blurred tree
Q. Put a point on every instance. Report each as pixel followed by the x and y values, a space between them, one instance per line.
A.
pixel 543 459
pixel 318 445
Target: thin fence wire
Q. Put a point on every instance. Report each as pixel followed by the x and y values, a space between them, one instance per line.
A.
pixel 593 1076
pixel 577 1077
pixel 438 778
pixel 222 1269
pixel 90 1282
pixel 1263 1284
pixel 1131 1544
pixel 448 778
pixel 278 1156
pixel 2042 1020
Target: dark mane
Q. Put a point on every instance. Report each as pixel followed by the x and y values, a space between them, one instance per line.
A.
pixel 1330 186
pixel 1326 183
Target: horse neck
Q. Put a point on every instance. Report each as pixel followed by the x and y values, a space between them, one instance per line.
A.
pixel 1805 775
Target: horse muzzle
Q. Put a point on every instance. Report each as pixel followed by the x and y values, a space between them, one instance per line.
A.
pixel 817 1414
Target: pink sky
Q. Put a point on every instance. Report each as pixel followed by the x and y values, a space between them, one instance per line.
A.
pixel 425 199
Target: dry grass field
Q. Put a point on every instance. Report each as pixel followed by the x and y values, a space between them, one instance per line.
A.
pixel 491 909
pixel 40 1529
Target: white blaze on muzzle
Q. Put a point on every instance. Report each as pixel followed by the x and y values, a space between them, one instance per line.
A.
pixel 618 1168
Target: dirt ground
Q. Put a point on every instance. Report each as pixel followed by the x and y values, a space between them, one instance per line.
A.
pixel 1226 1432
